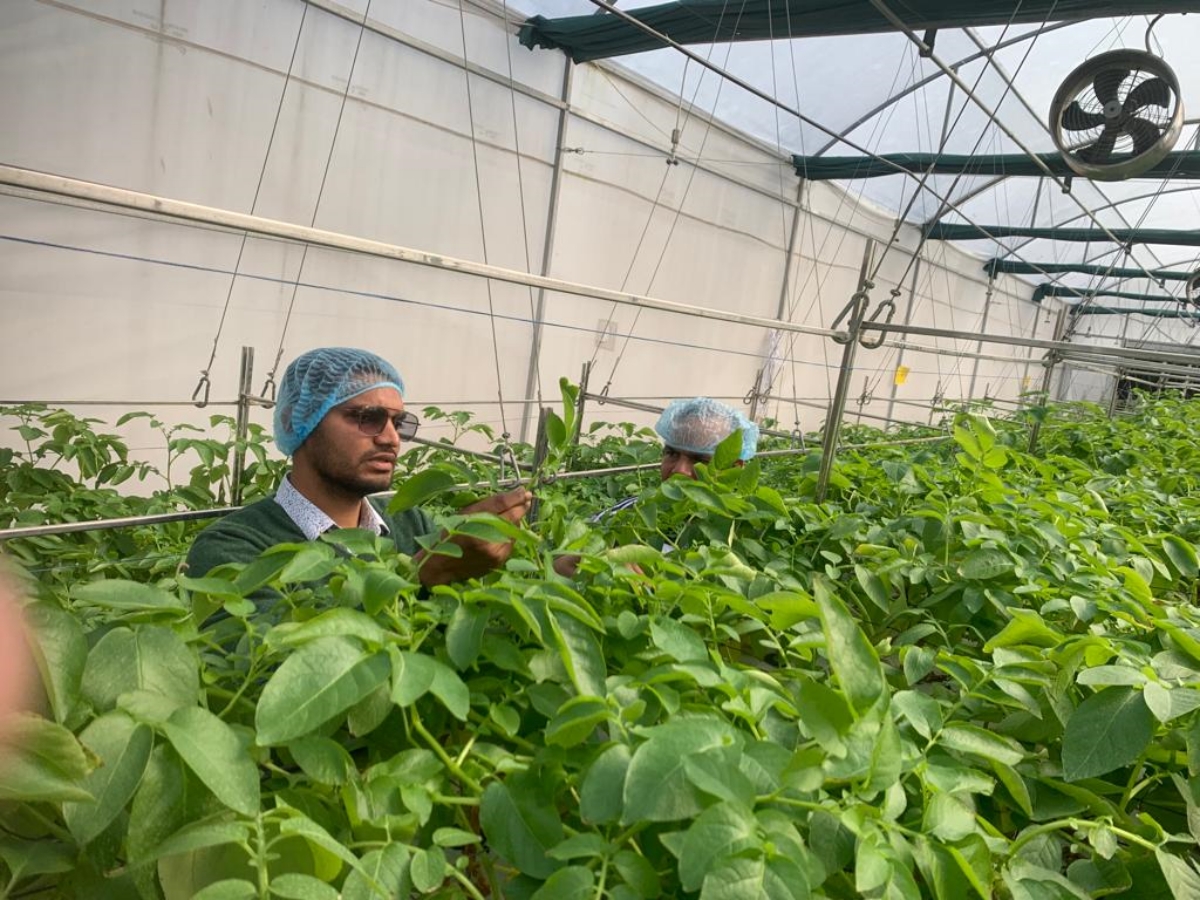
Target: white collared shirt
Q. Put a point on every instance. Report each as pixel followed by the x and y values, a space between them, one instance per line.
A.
pixel 313 522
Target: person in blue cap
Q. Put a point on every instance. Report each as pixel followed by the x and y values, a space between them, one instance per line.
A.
pixel 340 417
pixel 690 430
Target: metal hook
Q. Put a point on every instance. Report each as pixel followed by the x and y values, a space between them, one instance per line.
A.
pixel 890 305
pixel 861 296
pixel 268 384
pixel 204 385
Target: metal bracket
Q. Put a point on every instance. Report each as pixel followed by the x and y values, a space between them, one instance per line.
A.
pixel 204 385
pixel 854 308
pixel 890 305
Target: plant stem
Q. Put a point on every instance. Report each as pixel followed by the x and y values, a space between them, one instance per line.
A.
pixel 440 752
pixel 466 883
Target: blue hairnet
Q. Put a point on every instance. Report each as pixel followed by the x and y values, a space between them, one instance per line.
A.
pixel 699 424
pixel 319 380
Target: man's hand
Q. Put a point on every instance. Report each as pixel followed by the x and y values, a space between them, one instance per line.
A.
pixel 478 556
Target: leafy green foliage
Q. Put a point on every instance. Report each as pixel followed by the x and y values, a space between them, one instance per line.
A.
pixel 972 672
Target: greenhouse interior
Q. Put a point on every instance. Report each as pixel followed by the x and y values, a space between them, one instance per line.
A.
pixel 599 449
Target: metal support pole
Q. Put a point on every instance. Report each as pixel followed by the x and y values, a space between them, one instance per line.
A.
pixel 242 430
pixel 987 308
pixel 908 311
pixel 541 449
pixel 833 419
pixel 535 349
pixel 775 337
pixel 581 403
pixel 1047 380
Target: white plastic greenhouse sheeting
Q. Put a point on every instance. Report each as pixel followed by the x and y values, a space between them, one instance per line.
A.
pixel 178 99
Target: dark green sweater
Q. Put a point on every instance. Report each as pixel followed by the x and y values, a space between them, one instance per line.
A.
pixel 243 535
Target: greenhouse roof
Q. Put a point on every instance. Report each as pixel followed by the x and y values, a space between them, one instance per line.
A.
pixel 935 134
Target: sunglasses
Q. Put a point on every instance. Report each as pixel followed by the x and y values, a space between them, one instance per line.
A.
pixel 371 421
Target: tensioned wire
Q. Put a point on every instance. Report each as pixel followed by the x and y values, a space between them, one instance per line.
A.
pixel 809 230
pixel 658 196
pixel 287 320
pixel 462 22
pixel 287 79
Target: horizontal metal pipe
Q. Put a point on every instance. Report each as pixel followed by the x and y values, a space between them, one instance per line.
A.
pixel 1017 341
pixel 194 212
pixel 190 515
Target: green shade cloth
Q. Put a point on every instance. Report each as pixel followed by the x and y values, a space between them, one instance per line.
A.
pixel 1092 310
pixel 1184 164
pixel 597 36
pixel 944 232
pixel 1016 267
pixel 1064 290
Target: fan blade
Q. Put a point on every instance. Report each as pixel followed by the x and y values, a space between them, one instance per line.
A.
pixel 1155 91
pixel 1108 82
pixel 1145 134
pixel 1100 151
pixel 1075 118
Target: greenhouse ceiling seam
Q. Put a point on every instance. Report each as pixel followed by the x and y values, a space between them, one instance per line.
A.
pixel 929 79
pixel 994 117
pixel 606 5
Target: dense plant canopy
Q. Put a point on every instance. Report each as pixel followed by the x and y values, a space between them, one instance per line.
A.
pixel 972 671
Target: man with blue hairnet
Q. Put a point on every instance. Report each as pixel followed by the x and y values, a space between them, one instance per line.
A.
pixel 691 430
pixel 340 416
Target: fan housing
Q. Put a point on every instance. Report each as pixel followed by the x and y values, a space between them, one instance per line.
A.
pixel 1117 115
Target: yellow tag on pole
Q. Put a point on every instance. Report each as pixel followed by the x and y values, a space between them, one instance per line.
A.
pixel 901 374
pixel 1025 383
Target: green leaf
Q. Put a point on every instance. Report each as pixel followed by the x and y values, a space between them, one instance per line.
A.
pixel 427 869
pixel 728 451
pixel 454 837
pixel 123 748
pixel 575 721
pixel 981 742
pixel 464 635
pixel 922 712
pixel 556 430
pixel 1182 555
pixel 716 772
pixel 985 564
pixel 739 879
pixel 1181 875
pixel 638 873
pixel 601 795
pixel 228 889
pixel 721 831
pixel 1169 704
pixel 580 653
pixel 42 762
pixel 1027 628
pixel 521 826
pixel 948 817
pixel 422 487
pixel 197 836
pixel 60 651
pixel 311 563
pixel 1108 730
pixel 317 682
pixel 380 588
pixel 873 587
pixel 126 596
pixel 657 788
pixel 339 622
pixel 322 759
pixel 213 751
pixel 383 875
pixel 677 640
pixel 415 674
pixel 298 886
pixel 571 883
pixel 147 658
pixel 853 660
